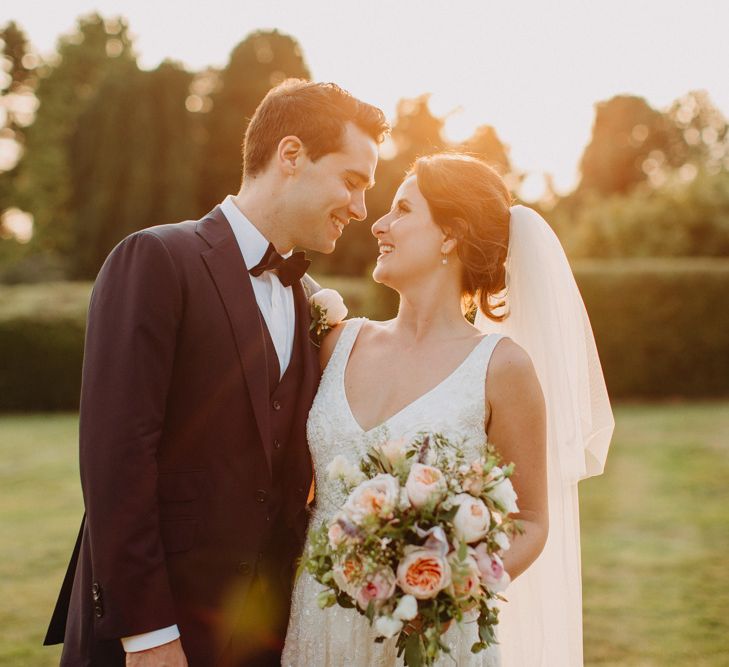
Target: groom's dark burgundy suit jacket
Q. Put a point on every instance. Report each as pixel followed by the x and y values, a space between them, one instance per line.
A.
pixel 194 467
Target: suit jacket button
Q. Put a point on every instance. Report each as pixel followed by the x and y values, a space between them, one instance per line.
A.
pixel 96 591
pixel 98 611
pixel 277 444
pixel 244 567
pixel 261 496
pixel 276 405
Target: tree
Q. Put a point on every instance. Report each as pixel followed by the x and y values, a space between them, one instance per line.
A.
pixel 133 161
pixel 261 61
pixel 84 59
pixel 704 130
pixel 485 143
pixel 630 141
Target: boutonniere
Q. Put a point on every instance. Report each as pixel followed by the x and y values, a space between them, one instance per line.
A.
pixel 327 310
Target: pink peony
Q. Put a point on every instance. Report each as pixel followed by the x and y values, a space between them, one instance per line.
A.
pixel 377 588
pixel 493 574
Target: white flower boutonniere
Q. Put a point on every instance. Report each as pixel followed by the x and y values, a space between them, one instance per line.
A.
pixel 327 310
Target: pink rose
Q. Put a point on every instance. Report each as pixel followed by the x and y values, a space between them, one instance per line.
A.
pixel 425 484
pixel 378 497
pixel 465 576
pixel 491 567
pixel 377 588
pixel 423 573
pixel 472 520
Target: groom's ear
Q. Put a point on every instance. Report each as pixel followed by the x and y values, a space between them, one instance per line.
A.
pixel 289 154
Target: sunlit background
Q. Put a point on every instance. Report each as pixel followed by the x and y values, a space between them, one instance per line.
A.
pixel 609 117
pixel 531 69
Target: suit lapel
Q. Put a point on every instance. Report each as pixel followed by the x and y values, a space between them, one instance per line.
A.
pixel 228 271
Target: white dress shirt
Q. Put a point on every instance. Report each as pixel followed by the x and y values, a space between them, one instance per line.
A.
pixel 276 304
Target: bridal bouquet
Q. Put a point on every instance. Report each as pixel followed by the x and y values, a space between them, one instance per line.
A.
pixel 418 542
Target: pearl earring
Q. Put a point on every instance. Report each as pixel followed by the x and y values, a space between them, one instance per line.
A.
pixel 445 259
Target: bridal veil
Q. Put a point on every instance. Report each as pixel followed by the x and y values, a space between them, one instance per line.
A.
pixel 541 626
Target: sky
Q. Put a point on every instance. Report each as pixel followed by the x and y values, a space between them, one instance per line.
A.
pixel 531 68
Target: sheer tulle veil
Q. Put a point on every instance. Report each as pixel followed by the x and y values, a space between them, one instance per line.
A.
pixel 541 626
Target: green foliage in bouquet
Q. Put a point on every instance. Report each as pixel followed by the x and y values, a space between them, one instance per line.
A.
pixel 417 545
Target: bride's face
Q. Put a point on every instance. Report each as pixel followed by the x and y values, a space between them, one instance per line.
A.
pixel 410 242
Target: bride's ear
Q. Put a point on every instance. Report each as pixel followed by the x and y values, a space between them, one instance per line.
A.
pixel 449 245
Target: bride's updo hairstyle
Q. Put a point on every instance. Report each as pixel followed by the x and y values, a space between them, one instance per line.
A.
pixel 470 202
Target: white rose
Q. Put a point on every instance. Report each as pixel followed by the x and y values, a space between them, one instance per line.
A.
pixel 503 493
pixel 379 496
pixel 407 608
pixel 387 627
pixel 472 520
pixel 425 485
pixel 340 468
pixel 331 302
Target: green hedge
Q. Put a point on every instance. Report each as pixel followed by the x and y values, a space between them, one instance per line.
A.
pixel 662 328
pixel 41 344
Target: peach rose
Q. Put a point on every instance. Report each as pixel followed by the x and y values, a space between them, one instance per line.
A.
pixel 376 588
pixel 472 520
pixel 423 573
pixel 425 485
pixel 346 574
pixel 378 496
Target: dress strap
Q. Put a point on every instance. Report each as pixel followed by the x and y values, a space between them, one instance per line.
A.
pixel 343 348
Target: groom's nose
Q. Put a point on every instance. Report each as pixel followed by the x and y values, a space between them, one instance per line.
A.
pixel 357 208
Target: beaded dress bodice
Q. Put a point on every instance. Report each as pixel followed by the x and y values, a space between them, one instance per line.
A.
pixel 455 407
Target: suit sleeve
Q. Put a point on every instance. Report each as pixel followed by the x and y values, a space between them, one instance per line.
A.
pixel 133 318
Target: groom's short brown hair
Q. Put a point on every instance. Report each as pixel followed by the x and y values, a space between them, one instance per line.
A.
pixel 316 113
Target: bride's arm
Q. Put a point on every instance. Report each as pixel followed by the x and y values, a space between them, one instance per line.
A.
pixel 517 428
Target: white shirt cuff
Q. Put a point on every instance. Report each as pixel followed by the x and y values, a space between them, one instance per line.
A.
pixel 149 640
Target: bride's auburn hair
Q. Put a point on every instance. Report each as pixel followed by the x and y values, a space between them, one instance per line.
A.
pixel 470 202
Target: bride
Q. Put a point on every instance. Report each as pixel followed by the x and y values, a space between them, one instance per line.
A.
pixel 526 377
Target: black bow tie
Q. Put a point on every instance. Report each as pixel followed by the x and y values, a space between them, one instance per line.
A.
pixel 289 270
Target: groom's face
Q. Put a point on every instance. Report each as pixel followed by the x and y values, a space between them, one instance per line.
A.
pixel 328 193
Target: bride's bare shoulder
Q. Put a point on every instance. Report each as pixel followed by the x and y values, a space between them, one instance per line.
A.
pixel 511 370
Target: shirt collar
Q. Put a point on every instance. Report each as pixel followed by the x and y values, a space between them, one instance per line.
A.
pixel 252 243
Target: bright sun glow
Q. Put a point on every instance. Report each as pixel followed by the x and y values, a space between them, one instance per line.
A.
pixel 531 69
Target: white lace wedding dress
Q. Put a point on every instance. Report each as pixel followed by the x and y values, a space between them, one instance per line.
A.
pixel 456 408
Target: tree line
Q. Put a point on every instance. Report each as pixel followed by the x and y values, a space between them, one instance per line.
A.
pixel 105 148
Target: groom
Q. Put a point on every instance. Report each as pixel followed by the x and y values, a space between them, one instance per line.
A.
pixel 198 377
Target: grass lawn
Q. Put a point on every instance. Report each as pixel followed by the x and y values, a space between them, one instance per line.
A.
pixel 655 536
